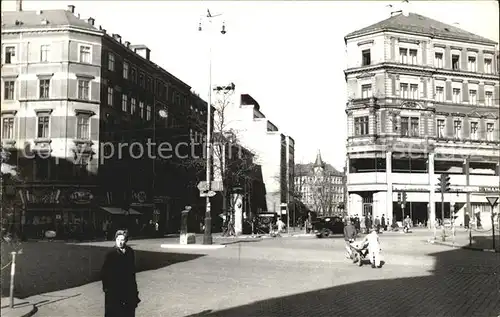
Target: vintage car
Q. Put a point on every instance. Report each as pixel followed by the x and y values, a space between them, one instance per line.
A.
pixel 327 226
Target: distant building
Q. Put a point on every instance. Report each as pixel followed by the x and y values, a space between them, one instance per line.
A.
pixel 423 101
pixel 70 91
pixel 320 187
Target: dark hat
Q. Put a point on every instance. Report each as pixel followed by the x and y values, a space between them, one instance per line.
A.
pixel 123 233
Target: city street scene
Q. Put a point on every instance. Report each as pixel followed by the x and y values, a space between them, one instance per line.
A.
pixel 240 158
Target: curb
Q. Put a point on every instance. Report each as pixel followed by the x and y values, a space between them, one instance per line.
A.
pixel 466 247
pixel 25 311
pixel 193 246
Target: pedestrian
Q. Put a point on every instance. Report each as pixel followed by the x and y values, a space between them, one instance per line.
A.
pixel 466 220
pixel 377 224
pixel 349 237
pixel 281 226
pixel 362 224
pixel 373 248
pixel 384 223
pixel 121 295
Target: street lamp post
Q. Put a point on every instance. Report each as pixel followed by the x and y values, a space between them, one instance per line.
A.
pixel 207 236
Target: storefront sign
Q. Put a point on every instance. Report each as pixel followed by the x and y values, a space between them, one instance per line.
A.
pixel 42 196
pixel 81 197
pixel 489 189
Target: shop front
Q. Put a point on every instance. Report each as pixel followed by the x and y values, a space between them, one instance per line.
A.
pixel 72 212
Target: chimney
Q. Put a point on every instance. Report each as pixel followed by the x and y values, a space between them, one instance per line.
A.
pixel 117 37
pixel 405 7
pixel 71 8
pixel 127 44
pixel 19 5
pixel 91 21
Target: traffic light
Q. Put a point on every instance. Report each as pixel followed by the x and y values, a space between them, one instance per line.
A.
pixel 399 198
pixel 444 183
pixel 404 197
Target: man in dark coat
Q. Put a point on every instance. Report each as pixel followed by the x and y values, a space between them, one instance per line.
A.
pixel 121 296
pixel 384 224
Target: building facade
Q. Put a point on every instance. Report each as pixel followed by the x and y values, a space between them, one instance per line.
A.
pixel 320 187
pixel 273 151
pixel 74 100
pixel 423 100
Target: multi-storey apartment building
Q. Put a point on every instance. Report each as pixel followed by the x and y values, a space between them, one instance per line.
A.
pixel 423 101
pixel 320 187
pixel 74 99
pixel 273 151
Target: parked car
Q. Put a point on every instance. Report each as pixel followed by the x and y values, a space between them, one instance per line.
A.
pixel 324 227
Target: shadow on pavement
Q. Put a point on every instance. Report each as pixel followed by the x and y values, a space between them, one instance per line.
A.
pixel 462 283
pixel 484 242
pixel 52 266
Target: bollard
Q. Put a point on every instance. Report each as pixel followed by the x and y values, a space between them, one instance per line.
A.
pixel 12 273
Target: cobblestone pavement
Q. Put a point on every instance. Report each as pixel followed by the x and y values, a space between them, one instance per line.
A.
pixel 305 277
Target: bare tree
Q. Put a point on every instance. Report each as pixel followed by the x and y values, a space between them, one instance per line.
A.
pixel 233 165
pixel 323 193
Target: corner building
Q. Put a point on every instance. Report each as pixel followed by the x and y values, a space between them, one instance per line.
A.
pixel 423 99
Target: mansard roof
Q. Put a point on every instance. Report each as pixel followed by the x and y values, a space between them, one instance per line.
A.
pixel 33 19
pixel 416 23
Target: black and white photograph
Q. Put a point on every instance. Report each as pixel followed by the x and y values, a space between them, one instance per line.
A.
pixel 242 158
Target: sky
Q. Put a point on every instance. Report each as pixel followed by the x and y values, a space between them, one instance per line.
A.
pixel 288 55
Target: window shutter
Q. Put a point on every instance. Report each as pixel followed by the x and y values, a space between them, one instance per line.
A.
pixel 465 92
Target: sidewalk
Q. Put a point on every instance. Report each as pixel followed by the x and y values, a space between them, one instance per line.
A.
pixel 21 308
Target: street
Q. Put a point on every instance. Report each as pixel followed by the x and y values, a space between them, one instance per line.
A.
pixel 298 276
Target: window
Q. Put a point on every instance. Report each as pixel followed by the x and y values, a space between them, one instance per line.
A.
pixel 142 80
pixel 366 91
pixel 83 127
pixel 44 85
pixel 413 91
pixel 473 130
pixel 403 55
pixel 457 128
pixel 471 64
pixel 124 102
pixel 488 69
pixel 413 57
pixel 473 97
pixel 361 126
pixel 490 128
pixel 8 128
pixel 440 93
pixel 110 96
pixel 125 70
pixel 10 54
pixel 133 74
pixel 403 90
pixel 456 95
pixel 44 53
pixel 440 128
pixel 148 113
pixel 8 90
pixel 455 62
pixel 414 128
pixel 111 62
pixel 43 127
pixel 132 106
pixel 488 98
pixel 85 52
pixel 141 109
pixel 438 60
pixel 83 89
pixel 366 57
pixel 405 129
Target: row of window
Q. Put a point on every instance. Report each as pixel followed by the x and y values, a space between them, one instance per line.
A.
pixel 43 127
pixel 85 54
pixel 409 56
pixel 411 91
pixel 409 126
pixel 83 89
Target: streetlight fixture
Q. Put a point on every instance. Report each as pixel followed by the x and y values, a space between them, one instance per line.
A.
pixel 207 236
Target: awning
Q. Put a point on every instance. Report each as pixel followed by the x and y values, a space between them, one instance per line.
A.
pixel 120 211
